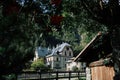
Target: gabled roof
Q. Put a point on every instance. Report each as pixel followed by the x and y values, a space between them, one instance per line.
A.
pixel 89 54
pixel 59 49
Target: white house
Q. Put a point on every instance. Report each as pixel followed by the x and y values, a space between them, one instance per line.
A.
pixel 57 59
pixel 71 65
pixel 41 52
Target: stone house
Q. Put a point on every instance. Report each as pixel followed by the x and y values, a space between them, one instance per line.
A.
pixel 57 59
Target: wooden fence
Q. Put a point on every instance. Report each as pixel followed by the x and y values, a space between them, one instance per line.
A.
pixel 54 75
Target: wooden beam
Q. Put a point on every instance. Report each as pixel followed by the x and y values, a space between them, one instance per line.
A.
pixel 98 63
pixel 87 46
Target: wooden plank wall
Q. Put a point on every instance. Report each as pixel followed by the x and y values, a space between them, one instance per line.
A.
pixel 102 73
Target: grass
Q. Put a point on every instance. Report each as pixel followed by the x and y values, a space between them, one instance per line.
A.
pixel 82 78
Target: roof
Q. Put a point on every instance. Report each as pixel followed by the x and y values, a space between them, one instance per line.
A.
pixel 59 49
pixel 70 60
pixel 42 51
pixel 90 53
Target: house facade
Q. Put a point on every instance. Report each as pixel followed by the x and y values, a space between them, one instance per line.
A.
pixel 57 59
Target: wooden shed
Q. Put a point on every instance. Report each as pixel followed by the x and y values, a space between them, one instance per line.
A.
pixel 97 54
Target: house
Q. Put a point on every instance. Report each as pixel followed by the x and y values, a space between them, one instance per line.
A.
pixel 73 66
pixel 97 55
pixel 41 52
pixel 57 59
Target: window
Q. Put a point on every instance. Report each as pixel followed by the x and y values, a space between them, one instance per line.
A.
pixel 57 59
pixel 70 54
pixel 57 66
pixel 67 48
pixel 65 59
pixel 65 53
pixel 57 52
pixel 65 65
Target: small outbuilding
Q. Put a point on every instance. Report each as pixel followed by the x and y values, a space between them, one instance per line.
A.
pixel 97 54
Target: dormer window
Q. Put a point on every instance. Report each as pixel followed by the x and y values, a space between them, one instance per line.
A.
pixel 67 48
pixel 57 52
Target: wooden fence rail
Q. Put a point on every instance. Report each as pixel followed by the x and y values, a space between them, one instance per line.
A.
pixel 54 75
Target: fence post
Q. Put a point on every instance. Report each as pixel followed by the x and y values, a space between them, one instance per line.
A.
pixel 69 75
pixel 25 75
pixel 39 75
pixel 78 75
pixel 56 75
pixel 16 76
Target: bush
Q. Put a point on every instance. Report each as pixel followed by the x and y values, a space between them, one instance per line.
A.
pixel 39 65
pixel 8 77
pixel 74 68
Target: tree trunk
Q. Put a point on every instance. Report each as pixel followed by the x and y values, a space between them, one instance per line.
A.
pixel 115 41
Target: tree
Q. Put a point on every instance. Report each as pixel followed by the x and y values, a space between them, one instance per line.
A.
pixel 107 12
pixel 75 68
pixel 17 43
pixel 39 65
pixel 24 25
pixel 77 28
